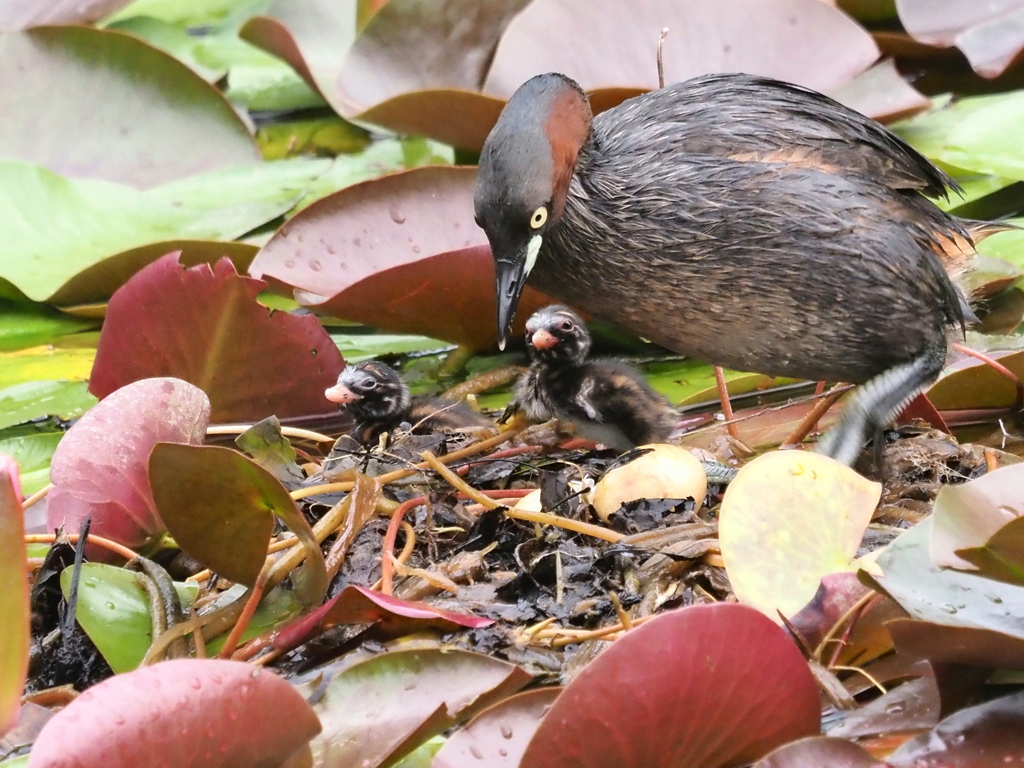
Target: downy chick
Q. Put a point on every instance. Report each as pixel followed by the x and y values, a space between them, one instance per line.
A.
pixel 608 401
pixel 379 401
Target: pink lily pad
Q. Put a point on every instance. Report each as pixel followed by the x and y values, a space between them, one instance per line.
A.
pixel 187 713
pixel 101 466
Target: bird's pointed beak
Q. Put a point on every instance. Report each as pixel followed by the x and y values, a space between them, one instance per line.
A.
pixel 510 277
pixel 543 339
pixel 341 394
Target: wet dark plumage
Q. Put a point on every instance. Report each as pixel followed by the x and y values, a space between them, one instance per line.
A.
pixel 607 400
pixel 379 401
pixel 739 220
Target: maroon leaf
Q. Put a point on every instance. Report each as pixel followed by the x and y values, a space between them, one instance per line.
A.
pixel 14 606
pixel 956 645
pixel 205 326
pixel 882 93
pixel 497 736
pixel 990 34
pixel 921 408
pixel 378 710
pixel 394 617
pixel 819 752
pixel 185 713
pixel 101 467
pixel 684 680
pixel 401 252
pixel 985 736
pixel 612 44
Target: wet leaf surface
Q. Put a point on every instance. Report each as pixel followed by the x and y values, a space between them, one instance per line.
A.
pixel 787 520
pixel 14 606
pixel 115 612
pixel 188 713
pixel 204 325
pixel 498 736
pixel 401 253
pixel 27 325
pixel 33 453
pixel 984 736
pixel 122 94
pixel 712 702
pixel 907 707
pixel 817 752
pixel 945 596
pixel 36 399
pixel 101 467
pixel 378 710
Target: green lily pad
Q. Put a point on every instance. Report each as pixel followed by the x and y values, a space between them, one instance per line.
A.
pixel 1008 246
pixel 114 612
pixel 989 137
pixel 329 136
pixel 124 110
pixel 188 13
pixel 55 228
pixel 36 399
pixel 28 325
pixel 357 347
pixel 277 608
pixel 33 454
pixel 69 358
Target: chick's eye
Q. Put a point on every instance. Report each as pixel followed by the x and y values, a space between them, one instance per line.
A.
pixel 567 325
pixel 369 383
pixel 539 217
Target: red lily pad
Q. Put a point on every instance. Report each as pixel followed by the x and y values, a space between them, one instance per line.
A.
pixel 401 253
pixel 498 736
pixel 23 14
pixel 970 383
pixel 14 605
pixel 101 466
pixel 985 736
pixel 392 617
pixel 819 751
pixel 613 44
pixel 990 34
pixel 381 709
pixel 703 699
pixel 117 113
pixel 219 506
pixel 882 93
pixel 188 713
pixel 204 325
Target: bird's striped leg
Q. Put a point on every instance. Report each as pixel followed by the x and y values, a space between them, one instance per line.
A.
pixel 877 402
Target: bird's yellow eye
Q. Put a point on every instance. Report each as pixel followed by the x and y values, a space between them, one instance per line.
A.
pixel 539 217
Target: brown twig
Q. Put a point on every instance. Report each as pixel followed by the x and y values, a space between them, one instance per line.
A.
pixel 723 398
pixel 661 57
pixel 814 415
pixel 255 595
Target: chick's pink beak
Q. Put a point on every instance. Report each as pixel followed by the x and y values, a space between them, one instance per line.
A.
pixel 543 340
pixel 339 393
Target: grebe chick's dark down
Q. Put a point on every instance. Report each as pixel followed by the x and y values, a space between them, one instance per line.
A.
pixel 736 219
pixel 379 401
pixel 608 401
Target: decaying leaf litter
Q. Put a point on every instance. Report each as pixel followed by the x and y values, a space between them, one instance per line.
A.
pixel 463 567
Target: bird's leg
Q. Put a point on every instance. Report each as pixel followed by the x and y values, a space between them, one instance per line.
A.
pixel 723 398
pixel 877 402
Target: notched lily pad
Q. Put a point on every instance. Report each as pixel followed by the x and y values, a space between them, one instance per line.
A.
pixel 205 325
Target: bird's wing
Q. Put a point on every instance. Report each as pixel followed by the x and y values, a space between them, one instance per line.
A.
pixel 747 117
